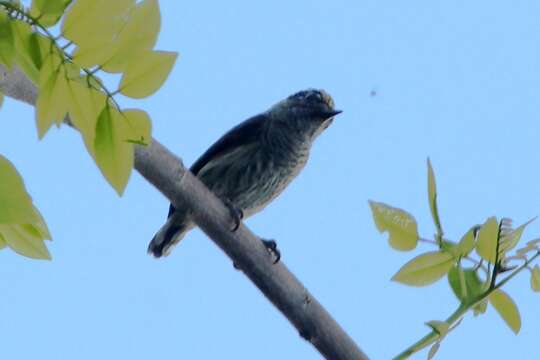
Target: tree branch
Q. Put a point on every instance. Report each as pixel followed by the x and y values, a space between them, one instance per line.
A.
pixel 167 173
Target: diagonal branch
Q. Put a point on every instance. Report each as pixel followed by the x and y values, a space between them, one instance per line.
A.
pixel 167 173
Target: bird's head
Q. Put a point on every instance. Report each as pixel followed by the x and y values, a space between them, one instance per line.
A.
pixel 309 111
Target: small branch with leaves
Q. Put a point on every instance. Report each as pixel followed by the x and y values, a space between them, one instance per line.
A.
pixel 488 250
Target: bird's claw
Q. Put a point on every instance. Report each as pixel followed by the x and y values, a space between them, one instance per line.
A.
pixel 236 214
pixel 271 246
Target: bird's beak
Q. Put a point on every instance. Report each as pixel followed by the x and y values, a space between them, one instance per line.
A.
pixel 330 113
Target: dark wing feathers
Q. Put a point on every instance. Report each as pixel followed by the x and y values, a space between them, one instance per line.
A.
pixel 244 133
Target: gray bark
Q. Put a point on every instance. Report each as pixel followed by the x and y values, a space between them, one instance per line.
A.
pixel 167 173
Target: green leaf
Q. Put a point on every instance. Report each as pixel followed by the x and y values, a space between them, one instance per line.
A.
pixel 21 37
pixel 465 283
pixel 138 35
pixel 139 126
pixel 7 46
pixel 467 242
pixel 510 240
pixel 113 154
pixel 506 307
pixel 425 269
pixel 48 11
pixel 535 279
pixel 81 109
pixel 25 240
pixel 1 99
pixel 15 203
pixel 486 246
pixel 401 226
pixel 146 75
pixel 432 198
pixel 51 104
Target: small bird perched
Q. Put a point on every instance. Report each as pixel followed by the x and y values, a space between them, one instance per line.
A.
pixel 252 164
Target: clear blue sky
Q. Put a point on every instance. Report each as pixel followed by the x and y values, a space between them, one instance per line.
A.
pixel 457 81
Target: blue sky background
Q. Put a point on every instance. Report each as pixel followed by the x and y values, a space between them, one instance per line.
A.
pixel 457 81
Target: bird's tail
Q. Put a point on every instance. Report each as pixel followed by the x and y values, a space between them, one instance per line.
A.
pixel 168 236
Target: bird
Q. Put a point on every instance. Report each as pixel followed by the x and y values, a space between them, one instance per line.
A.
pixel 251 164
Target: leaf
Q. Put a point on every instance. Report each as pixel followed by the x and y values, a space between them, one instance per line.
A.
pixel 139 126
pixel 25 240
pixel 93 22
pixel 113 154
pixel 146 75
pixel 7 46
pixel 51 104
pixel 23 57
pixel 465 283
pixel 486 245
pixel 425 269
pixel 440 327
pixel 506 307
pixel 535 279
pixel 433 350
pixel 467 242
pixel 81 109
pixel 401 226
pixel 432 198
pixel 48 11
pixel 138 35
pixel 510 240
pixel 15 202
pixel 1 99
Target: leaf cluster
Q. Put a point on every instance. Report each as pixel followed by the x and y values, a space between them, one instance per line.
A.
pixel 476 266
pixel 94 36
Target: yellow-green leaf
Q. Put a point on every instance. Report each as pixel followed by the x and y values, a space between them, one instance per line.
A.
pixel 1 99
pixel 506 307
pixel 510 240
pixel 48 11
pixel 432 198
pixel 81 110
pixel 15 203
pixel 52 101
pixel 25 240
pixel 113 154
pixel 21 35
pixel 146 75
pixel 486 245
pixel 535 278
pixel 401 226
pixel 465 283
pixel 138 125
pixel 139 34
pixel 425 269
pixel 7 46
pixel 467 242
pixel 89 22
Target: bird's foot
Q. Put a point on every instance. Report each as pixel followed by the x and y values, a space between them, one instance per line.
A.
pixel 236 214
pixel 271 246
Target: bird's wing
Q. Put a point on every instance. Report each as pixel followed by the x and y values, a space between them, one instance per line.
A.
pixel 244 133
